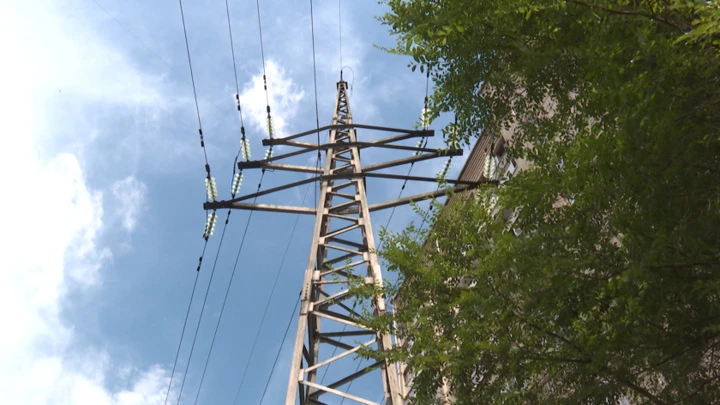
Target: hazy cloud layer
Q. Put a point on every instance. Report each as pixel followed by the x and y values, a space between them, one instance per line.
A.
pixel 55 221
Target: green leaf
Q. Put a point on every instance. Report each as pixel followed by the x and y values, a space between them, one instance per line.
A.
pixel 586 275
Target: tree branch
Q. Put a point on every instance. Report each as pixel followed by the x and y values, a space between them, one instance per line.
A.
pixel 640 390
pixel 628 12
pixel 559 359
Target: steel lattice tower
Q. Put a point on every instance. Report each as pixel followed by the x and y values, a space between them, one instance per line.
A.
pixel 342 253
pixel 335 257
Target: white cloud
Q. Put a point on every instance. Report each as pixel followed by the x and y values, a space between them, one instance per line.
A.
pixel 52 219
pixel 130 195
pixel 47 253
pixel 284 99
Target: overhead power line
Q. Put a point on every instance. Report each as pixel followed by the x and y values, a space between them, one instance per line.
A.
pixel 340 34
pixel 317 113
pixel 209 183
pixel 244 148
pixel 227 293
pixel 272 294
pixel 153 51
pixel 277 356
pixel 232 50
pixel 202 309
pixel 187 315
pixel 265 86
pixel 192 79
pixel 237 178
pixel 292 233
pixel 421 144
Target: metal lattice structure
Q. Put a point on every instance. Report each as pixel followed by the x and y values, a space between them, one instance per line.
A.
pixel 342 253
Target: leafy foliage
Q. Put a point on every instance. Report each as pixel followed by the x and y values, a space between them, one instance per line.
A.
pixel 614 295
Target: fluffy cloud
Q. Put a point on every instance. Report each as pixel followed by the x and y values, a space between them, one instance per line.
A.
pixel 129 194
pixel 284 98
pixel 47 253
pixel 52 219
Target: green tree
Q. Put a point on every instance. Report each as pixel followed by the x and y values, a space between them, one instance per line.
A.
pixel 616 295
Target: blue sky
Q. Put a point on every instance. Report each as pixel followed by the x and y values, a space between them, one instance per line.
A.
pixel 102 160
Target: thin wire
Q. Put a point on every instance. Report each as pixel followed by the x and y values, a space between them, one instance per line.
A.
pixel 222 309
pixel 340 33
pixel 392 212
pixel 270 127
pixel 207 169
pixel 165 61
pixel 272 293
pixel 187 315
pixel 351 382
pixel 449 161
pixel 352 82
pixel 123 26
pixel 202 309
pixel 247 225
pixel 227 291
pixel 262 49
pixel 262 54
pixel 425 127
pixel 144 44
pixel 237 94
pixel 277 356
pixel 232 49
pixel 192 78
pixel 317 113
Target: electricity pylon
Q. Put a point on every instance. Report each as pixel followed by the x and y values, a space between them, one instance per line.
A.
pixel 342 253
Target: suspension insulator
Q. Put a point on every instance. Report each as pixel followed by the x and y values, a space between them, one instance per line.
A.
pixel 237 182
pixel 245 147
pixel 211 187
pixel 424 118
pixel 210 225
